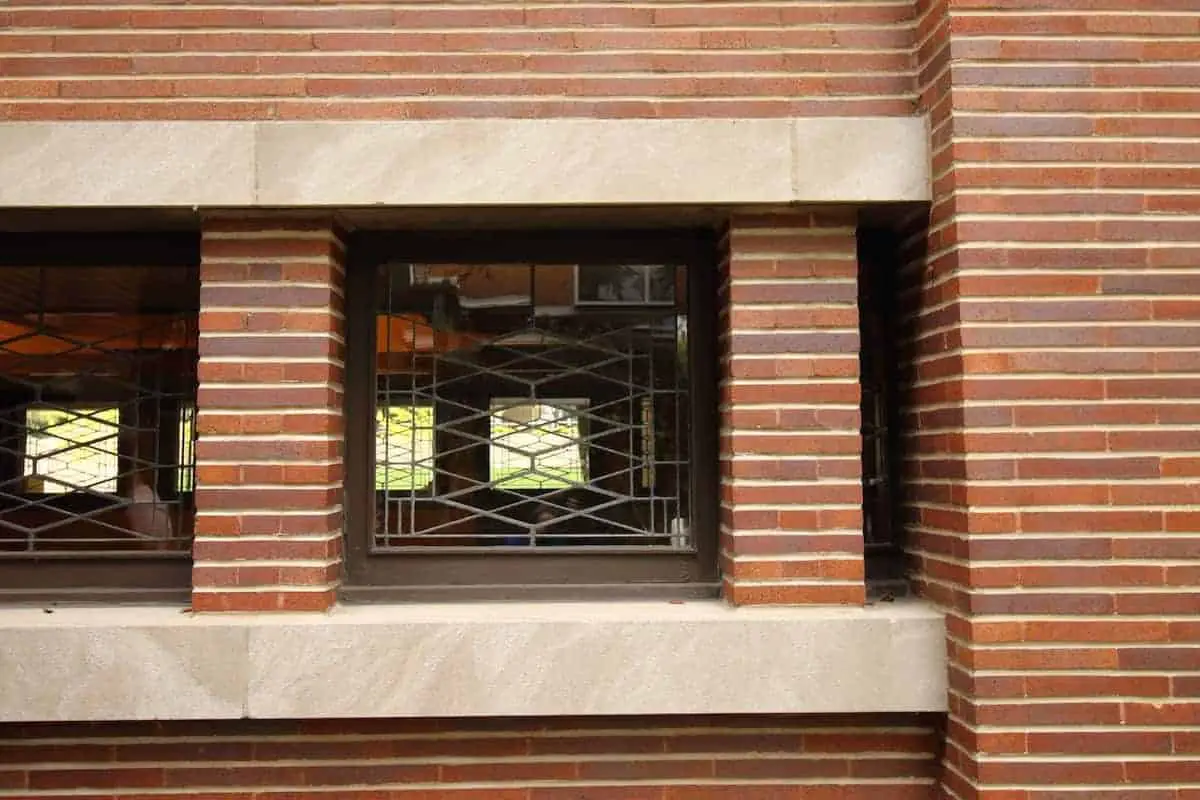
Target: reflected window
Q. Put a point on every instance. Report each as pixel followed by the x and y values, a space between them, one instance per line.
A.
pixel 404 445
pixel 537 445
pixel 71 450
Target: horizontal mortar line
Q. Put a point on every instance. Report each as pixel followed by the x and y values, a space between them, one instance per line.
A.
pixel 269 562
pixel 1077 618
pixel 771 256
pixel 735 507
pixel 261 539
pixel 574 785
pixel 268 232
pixel 818 483
pixel 1088 758
pixel 741 458
pixel 257 309
pixel 1115 728
pixel 752 332
pixel 1078 673
pixel 1099 563
pixel 1010 115
pixel 450 760
pixel 300 588
pixel 813 582
pixel 261 284
pixel 272 412
pixel 252 361
pixel 500 32
pixel 1082 216
pixel 822 432
pixel 1029 483
pixel 1039 429
pixel 1040 38
pixel 207 438
pixel 1008 14
pixel 1021 402
pixel 481 75
pixel 770 232
pixel 1023 562
pixel 296 100
pixel 1084 63
pixel 793 558
pixel 279 385
pixel 792 357
pixel 274 335
pixel 769 406
pixel 266 487
pixel 273 512
pixel 743 533
pixel 1145 244
pixel 1068 300
pixel 1074 508
pixel 1098 141
pixel 799 307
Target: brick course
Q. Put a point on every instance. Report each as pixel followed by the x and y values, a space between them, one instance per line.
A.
pixel 82 60
pixel 828 758
pixel 269 451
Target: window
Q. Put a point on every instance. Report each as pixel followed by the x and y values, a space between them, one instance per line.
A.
pixel 97 407
pixel 538 445
pixel 404 448
pixel 542 421
pixel 71 450
pixel 625 284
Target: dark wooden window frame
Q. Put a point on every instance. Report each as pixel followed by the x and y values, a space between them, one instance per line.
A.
pixel 152 576
pixel 461 574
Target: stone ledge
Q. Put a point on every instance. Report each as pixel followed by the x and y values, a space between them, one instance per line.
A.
pixel 456 163
pixel 423 660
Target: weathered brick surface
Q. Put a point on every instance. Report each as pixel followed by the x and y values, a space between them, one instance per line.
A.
pixel 851 758
pixel 1053 412
pixel 211 59
pixel 791 449
pixel 269 452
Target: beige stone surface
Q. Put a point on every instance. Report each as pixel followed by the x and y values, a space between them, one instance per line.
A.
pixel 517 162
pixel 470 660
pixel 494 163
pixel 117 666
pixel 46 164
pixel 861 160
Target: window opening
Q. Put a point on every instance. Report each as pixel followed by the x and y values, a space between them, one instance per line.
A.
pixel 404 448
pixel 97 407
pixel 71 450
pixel 558 409
pixel 538 445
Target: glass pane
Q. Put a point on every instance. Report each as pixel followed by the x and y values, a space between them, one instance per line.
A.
pixel 537 445
pixel 71 450
pixel 403 448
pixel 560 421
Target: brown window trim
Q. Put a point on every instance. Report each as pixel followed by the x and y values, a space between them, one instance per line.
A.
pixel 68 577
pixel 452 574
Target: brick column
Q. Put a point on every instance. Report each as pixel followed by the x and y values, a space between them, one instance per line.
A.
pixel 1062 287
pixel 791 449
pixel 269 455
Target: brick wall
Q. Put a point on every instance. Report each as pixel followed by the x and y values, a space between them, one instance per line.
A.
pixel 791 450
pixel 211 59
pixel 269 450
pixel 856 758
pixel 1053 409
